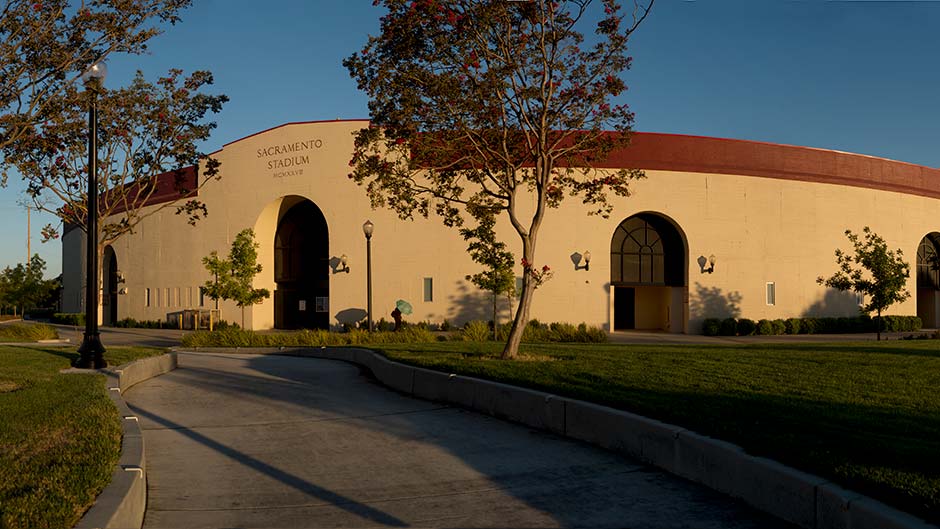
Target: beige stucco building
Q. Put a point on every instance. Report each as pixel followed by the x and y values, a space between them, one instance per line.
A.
pixel 718 228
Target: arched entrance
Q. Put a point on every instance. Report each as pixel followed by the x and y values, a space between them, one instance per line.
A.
pixel 648 274
pixel 928 281
pixel 301 269
pixel 109 288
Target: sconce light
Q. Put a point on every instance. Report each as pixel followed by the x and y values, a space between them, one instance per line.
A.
pixel 710 262
pixel 120 276
pixel 342 267
pixel 586 257
pixel 122 291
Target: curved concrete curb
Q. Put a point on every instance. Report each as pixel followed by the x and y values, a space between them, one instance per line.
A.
pixel 797 497
pixel 122 503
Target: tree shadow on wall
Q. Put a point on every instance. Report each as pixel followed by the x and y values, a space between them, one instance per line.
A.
pixel 834 303
pixel 712 302
pixel 470 303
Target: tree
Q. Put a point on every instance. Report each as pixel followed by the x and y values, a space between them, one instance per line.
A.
pixel 494 106
pixel 23 285
pixel 873 270
pixel 232 277
pixel 46 45
pixel 147 138
pixel 498 276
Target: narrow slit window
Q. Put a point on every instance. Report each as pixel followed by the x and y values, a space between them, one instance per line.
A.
pixel 147 297
pixel 771 293
pixel 428 289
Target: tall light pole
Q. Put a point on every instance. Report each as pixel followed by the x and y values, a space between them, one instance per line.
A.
pixel 367 230
pixel 91 351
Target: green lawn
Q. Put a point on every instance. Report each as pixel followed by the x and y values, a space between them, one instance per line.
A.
pixel 60 435
pixel 866 415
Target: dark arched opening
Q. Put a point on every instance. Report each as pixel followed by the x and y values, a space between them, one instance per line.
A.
pixel 648 274
pixel 301 269
pixel 928 280
pixel 109 301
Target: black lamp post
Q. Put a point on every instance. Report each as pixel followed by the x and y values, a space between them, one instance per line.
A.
pixel 367 230
pixel 91 350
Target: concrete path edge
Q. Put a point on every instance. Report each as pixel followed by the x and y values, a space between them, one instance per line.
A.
pixel 121 505
pixel 806 500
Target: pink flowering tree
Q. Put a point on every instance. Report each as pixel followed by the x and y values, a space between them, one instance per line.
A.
pixel 483 106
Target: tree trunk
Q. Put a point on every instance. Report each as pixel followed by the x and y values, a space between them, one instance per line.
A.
pixel 878 325
pixel 495 321
pixel 243 318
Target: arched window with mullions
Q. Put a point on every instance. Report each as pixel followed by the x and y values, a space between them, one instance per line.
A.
pixel 637 254
pixel 647 250
pixel 928 273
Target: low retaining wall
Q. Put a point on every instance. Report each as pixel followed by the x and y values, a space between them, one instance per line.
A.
pixel 122 503
pixel 797 497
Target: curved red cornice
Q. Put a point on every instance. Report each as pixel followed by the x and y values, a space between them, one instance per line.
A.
pixel 699 154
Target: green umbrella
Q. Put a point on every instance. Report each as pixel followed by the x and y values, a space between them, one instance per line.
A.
pixel 403 306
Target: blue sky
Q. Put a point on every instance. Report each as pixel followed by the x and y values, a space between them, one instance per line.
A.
pixel 857 76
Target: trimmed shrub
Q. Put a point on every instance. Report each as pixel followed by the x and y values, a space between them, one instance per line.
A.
pixel 711 326
pixel 69 318
pixel 746 327
pixel 780 326
pixel 793 325
pixel 728 327
pixel 764 327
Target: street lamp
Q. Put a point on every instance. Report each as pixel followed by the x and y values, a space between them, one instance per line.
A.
pixel 91 351
pixel 367 228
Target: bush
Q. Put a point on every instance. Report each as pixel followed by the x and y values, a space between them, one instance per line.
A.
pixel 475 331
pixel 793 325
pixel 69 318
pixel 131 323
pixel 746 327
pixel 40 314
pixel 728 327
pixel 780 326
pixel 711 326
pixel 764 327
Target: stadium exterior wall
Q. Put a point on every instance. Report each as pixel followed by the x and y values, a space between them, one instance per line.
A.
pixel 770 214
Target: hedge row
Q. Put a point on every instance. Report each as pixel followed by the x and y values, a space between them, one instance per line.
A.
pixel 857 324
pixel 68 318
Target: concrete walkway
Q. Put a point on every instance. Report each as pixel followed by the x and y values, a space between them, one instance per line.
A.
pixel 275 441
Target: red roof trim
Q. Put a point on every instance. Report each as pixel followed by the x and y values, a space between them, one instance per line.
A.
pixel 699 154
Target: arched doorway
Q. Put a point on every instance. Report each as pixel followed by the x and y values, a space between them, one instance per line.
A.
pixel 109 288
pixel 648 274
pixel 301 269
pixel 928 281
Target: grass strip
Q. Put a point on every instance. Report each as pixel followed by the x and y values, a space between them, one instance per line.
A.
pixel 60 435
pixel 865 415
pixel 15 332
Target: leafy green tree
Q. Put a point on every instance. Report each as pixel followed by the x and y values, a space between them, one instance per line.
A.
pixel 479 105
pixel 497 276
pixel 145 130
pixel 46 44
pixel 233 276
pixel 148 135
pixel 23 286
pixel 873 270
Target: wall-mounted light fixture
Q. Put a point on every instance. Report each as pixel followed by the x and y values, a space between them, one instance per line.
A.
pixel 702 261
pixel 342 266
pixel 120 276
pixel 586 257
pixel 122 291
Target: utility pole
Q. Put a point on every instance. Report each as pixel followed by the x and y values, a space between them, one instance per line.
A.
pixel 29 252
